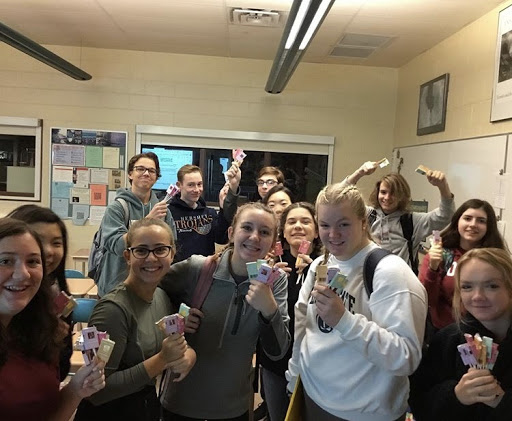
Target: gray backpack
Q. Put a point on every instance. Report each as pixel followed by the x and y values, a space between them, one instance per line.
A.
pixel 98 246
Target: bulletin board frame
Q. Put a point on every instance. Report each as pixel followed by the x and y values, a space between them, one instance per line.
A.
pixel 87 166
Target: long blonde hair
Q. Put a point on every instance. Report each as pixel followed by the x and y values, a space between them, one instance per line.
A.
pixel 497 258
pixel 335 194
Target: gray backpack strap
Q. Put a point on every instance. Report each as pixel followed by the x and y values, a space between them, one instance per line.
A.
pixel 124 204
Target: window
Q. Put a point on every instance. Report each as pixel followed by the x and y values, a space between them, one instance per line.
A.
pixel 307 169
pixel 20 159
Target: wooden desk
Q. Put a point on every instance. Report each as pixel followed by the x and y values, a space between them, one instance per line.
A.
pixel 93 292
pixel 80 286
pixel 81 258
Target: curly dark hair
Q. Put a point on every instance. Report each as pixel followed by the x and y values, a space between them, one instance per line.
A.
pixel 33 214
pixel 33 331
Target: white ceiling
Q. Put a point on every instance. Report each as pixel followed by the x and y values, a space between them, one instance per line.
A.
pixel 203 26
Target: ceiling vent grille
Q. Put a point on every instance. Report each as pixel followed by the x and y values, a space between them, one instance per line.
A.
pixel 359 45
pixel 255 17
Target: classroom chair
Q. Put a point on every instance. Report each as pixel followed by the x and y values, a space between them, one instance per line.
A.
pixel 82 311
pixel 73 273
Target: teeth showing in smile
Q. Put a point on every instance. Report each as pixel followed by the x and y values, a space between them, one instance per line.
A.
pixel 14 288
pixel 151 269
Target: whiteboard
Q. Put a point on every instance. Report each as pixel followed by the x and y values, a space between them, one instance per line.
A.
pixel 471 167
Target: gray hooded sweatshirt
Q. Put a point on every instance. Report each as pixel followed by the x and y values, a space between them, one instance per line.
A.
pixel 114 269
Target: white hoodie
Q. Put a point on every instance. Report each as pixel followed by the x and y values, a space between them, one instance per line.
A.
pixel 358 370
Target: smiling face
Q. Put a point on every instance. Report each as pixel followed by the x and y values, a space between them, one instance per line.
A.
pixel 191 188
pixel 341 231
pixel 149 270
pixel 252 236
pixel 472 227
pixel 143 181
pixel 265 183
pixel 278 202
pixel 21 273
pixel 387 200
pixel 483 293
pixel 299 225
pixel 53 243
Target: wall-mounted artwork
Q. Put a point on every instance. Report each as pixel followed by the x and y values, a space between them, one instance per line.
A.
pixel 432 105
pixel 502 90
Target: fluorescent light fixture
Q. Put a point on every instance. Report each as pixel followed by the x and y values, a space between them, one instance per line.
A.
pixel 33 49
pixel 304 19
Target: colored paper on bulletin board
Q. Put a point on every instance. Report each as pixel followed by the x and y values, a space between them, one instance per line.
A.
pixel 98 195
pixel 116 179
pixel 61 207
pixel 80 214
pixel 72 155
pixel 110 158
pixel 61 189
pixel 63 174
pixel 80 196
pixel 99 176
pixel 81 177
pixel 96 214
pixel 93 156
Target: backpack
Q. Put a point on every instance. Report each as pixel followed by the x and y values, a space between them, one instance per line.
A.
pixel 407 230
pixel 370 264
pixel 98 246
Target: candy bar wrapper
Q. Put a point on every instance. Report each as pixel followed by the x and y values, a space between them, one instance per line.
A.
pixel 64 304
pixel 238 156
pixel 422 169
pixel 184 310
pixel 88 355
pixel 303 249
pixel 102 336
pixel 278 249
pixel 105 349
pixel 383 163
pixel 339 282
pixel 321 274
pixel 90 337
pixel 331 273
pixel 264 273
pixel 260 262
pixel 252 270
pixel 436 236
pixel 174 323
pixel 171 192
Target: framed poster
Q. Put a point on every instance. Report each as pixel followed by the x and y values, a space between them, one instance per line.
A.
pixel 432 105
pixel 501 107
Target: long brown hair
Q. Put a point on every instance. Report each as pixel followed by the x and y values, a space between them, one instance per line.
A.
pixel 398 187
pixel 33 331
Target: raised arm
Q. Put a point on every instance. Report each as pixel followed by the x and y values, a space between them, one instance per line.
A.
pixel 366 168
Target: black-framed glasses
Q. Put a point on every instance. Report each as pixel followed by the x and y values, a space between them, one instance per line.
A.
pixel 268 182
pixel 141 170
pixel 143 252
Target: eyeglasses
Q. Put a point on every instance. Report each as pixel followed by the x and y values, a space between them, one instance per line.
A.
pixel 143 252
pixel 142 170
pixel 268 182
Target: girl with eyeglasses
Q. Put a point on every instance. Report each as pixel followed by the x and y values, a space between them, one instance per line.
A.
pixel 141 202
pixel 236 313
pixel 129 314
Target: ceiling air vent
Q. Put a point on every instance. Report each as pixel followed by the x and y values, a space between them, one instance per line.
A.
pixel 255 17
pixel 359 45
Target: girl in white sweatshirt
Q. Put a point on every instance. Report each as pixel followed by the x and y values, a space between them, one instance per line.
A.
pixel 354 352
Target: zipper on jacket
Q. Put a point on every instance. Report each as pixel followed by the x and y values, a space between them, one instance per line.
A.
pixel 239 302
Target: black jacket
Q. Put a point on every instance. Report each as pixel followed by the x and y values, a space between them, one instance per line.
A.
pixel 433 384
pixel 200 228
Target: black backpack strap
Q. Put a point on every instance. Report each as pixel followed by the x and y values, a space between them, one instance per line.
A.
pixel 372 217
pixel 407 229
pixel 370 264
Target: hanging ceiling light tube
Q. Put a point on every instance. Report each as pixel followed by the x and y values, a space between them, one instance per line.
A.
pixel 303 22
pixel 33 49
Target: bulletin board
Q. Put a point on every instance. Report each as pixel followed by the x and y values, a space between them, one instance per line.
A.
pixel 87 167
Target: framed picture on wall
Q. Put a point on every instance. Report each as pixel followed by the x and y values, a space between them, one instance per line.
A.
pixel 501 108
pixel 432 105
